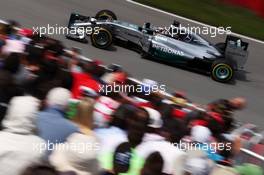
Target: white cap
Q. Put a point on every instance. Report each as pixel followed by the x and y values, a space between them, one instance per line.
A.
pixel 21 115
pixel 200 134
pixel 77 154
pixel 58 97
pixel 197 166
pixel 155 118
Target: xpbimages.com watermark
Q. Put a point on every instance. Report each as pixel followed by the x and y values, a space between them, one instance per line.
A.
pixel 172 30
pixel 211 147
pixel 126 88
pixel 81 31
pixel 77 147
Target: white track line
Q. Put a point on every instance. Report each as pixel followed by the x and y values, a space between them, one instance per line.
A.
pixel 190 20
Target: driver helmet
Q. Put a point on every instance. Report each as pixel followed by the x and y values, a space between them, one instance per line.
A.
pixel 176 23
pixel 147 25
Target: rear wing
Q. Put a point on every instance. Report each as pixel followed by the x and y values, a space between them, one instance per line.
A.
pixel 237 51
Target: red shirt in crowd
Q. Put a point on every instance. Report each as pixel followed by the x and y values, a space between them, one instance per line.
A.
pixel 83 79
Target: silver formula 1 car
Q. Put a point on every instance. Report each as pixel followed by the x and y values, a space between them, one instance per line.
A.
pixel 182 48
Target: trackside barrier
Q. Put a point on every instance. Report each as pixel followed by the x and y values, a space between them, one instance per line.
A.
pixel 169 96
pixel 251 153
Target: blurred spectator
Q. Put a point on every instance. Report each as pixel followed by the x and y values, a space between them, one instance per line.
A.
pixel 170 133
pixel 197 166
pixel 249 169
pixel 84 116
pixel 103 109
pixel 215 123
pixel 8 90
pixel 12 28
pixel 2 43
pixel 154 125
pixel 20 147
pixel 40 170
pixel 23 76
pixel 83 79
pixel 117 77
pixel 2 29
pixel 52 124
pixel 166 144
pixel 77 154
pixel 47 67
pixel 97 70
pixel 226 108
pixel 194 162
pixel 201 134
pixel 153 165
pixel 223 170
pixel 125 158
pixel 115 134
pixel 117 158
pixel 74 62
pixel 13 46
pixel 26 34
pixel 16 64
pixel 12 63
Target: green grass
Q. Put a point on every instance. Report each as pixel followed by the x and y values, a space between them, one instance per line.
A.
pixel 213 12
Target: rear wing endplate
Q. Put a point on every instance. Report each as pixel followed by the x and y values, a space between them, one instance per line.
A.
pixel 236 50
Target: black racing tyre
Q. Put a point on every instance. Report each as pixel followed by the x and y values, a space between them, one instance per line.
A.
pixel 102 38
pixel 105 15
pixel 222 71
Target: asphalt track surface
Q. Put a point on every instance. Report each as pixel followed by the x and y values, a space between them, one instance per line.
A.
pixel 200 88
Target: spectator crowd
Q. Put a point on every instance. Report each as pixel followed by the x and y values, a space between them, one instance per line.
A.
pixel 54 120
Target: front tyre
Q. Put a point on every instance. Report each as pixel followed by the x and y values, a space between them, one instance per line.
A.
pixel 222 71
pixel 105 15
pixel 102 38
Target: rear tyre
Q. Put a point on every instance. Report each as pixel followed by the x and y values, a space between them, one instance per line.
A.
pixel 222 71
pixel 102 38
pixel 105 15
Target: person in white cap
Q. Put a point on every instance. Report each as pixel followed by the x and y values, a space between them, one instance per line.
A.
pixel 77 154
pixel 52 125
pixel 198 166
pixel 194 162
pixel 19 145
pixel 153 141
pixel 200 134
pixel 154 125
pixel 202 137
